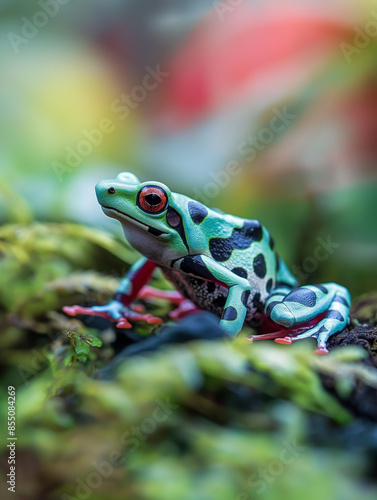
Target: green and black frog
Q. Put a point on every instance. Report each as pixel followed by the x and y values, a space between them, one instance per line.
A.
pixel 216 262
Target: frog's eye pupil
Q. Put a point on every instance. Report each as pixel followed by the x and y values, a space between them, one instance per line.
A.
pixel 111 190
pixel 152 199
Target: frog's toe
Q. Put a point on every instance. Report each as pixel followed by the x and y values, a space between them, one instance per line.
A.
pixel 322 332
pixel 151 320
pixel 284 340
pixel 123 323
pixel 185 308
pixel 321 350
pixel 76 310
pixel 135 316
pixel 139 308
pixel 71 310
pixel 149 293
pixel 132 316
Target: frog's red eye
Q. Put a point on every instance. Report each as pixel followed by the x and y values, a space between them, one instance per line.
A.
pixel 152 199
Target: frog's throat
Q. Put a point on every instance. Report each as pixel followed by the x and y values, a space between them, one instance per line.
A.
pixel 150 229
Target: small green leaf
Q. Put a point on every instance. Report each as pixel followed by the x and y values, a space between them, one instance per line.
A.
pixel 82 349
pixel 80 345
pixel 92 341
pixel 73 335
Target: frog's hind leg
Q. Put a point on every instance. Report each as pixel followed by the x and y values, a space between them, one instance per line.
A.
pixel 184 305
pixel 329 303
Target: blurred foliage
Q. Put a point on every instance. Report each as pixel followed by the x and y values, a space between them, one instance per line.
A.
pixel 46 266
pixel 171 425
pixel 201 420
pixel 34 257
pixel 366 308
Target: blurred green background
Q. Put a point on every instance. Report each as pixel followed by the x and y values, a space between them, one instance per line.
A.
pixel 264 109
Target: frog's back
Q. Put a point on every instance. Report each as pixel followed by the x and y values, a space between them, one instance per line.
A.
pixel 243 246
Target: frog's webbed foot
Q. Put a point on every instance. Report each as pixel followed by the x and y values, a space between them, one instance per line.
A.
pixel 308 312
pixel 115 312
pixel 322 331
pixel 184 306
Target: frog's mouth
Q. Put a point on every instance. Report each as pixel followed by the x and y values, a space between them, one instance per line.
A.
pixel 150 229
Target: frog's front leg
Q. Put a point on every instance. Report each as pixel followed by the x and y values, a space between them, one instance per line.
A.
pixel 120 309
pixel 290 309
pixel 202 267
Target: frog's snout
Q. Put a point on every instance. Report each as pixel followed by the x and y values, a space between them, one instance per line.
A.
pixel 103 189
